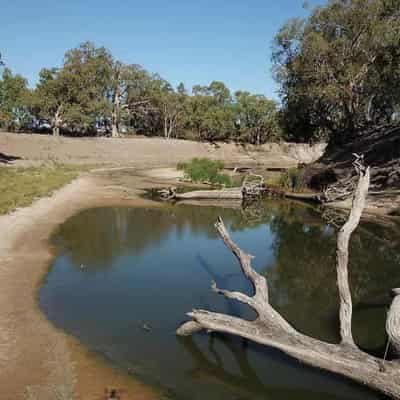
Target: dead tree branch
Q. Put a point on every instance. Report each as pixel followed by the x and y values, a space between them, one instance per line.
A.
pixel 271 329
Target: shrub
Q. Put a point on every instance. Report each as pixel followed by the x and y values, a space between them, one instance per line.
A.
pixel 292 180
pixel 205 170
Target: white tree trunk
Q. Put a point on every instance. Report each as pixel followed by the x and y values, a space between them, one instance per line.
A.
pixel 116 114
pixel 57 121
pixel 166 124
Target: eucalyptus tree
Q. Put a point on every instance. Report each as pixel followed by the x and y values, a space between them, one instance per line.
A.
pixel 15 98
pixel 129 93
pixel 339 69
pixel 210 112
pixel 86 71
pixel 52 97
pixel 74 96
pixel 170 105
pixel 257 119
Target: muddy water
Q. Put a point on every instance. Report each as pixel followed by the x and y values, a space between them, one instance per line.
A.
pixel 123 279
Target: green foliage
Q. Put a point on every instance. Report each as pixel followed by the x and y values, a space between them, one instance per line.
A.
pixel 15 99
pixel 292 180
pixel 210 113
pixel 74 96
pixel 339 69
pixel 205 170
pixel 258 118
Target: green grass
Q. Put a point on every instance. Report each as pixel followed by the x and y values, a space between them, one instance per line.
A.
pixel 205 170
pixel 19 187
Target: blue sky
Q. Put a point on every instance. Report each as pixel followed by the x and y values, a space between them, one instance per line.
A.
pixel 190 41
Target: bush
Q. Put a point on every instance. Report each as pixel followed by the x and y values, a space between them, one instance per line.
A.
pixel 292 180
pixel 205 170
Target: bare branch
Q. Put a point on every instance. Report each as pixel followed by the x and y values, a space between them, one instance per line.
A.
pixel 234 295
pixel 360 195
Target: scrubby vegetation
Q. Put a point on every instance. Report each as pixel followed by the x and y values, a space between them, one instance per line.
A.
pixel 205 170
pixel 292 180
pixel 20 186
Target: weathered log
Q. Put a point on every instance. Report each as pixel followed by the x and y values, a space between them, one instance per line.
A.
pixel 221 203
pixel 271 329
pixel 235 193
pixel 393 321
pixel 314 197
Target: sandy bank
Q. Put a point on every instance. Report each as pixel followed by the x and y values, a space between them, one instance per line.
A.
pixel 32 352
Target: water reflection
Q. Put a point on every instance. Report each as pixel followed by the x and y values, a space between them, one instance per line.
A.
pixel 119 269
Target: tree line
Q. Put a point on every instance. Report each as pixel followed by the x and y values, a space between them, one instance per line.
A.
pixel 94 93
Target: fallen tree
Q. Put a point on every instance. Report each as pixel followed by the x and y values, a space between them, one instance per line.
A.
pixel 271 329
pixel 252 187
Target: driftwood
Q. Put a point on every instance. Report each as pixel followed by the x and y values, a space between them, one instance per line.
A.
pixel 252 187
pixel 172 194
pixel 271 329
pixel 313 197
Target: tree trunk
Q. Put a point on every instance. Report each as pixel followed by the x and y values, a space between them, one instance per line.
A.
pixel 170 129
pixel 368 112
pixel 271 329
pixel 258 140
pixel 57 122
pixel 116 114
pixel 166 127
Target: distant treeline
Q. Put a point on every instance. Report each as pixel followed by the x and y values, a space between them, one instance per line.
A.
pixel 338 72
pixel 92 93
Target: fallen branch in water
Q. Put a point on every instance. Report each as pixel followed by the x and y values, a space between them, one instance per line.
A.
pixel 271 329
pixel 172 194
pixel 252 187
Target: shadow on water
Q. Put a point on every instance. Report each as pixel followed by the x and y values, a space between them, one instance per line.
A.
pixel 124 278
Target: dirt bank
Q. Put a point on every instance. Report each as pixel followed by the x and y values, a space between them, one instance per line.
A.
pixel 27 150
pixel 380 147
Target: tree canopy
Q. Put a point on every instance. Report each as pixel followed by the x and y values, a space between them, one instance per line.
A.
pixel 14 100
pixel 339 69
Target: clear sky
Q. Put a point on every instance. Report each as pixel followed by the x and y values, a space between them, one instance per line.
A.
pixel 193 41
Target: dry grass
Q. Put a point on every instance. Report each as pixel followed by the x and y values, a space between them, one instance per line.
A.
pixel 19 187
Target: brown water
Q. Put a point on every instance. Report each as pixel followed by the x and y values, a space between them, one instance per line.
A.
pixel 124 278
